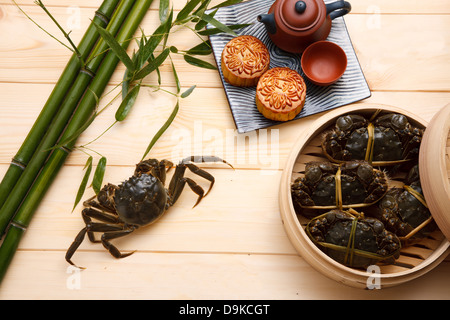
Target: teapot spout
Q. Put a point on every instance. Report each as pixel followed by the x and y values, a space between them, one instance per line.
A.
pixel 269 22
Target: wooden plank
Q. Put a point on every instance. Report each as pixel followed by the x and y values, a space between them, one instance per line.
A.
pixel 204 125
pixel 232 218
pixel 360 6
pixel 411 58
pixel 233 245
pixel 196 276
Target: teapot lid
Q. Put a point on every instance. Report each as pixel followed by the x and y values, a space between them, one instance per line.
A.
pixel 301 15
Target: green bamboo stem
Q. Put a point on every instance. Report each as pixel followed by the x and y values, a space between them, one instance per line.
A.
pixel 56 128
pixel 51 107
pixel 82 114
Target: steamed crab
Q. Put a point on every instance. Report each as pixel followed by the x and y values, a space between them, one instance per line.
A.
pixel 326 185
pixel 352 239
pixel 404 210
pixel 388 139
pixel 138 201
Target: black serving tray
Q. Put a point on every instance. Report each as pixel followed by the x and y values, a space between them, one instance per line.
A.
pixel 351 87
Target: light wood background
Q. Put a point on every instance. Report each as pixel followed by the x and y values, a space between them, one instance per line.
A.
pixel 233 245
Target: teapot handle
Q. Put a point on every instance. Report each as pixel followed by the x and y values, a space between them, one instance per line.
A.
pixel 338 9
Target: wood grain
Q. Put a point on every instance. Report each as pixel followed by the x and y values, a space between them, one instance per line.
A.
pixel 233 245
pixel 360 6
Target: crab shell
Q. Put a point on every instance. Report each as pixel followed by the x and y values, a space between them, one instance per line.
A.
pixel 141 200
pixel 352 240
pixel 361 185
pixel 402 212
pixel 394 139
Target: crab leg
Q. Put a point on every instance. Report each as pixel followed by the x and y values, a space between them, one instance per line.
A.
pixel 154 167
pixel 178 182
pixel 111 231
pixel 89 213
pixel 203 159
pixel 74 246
pixel 113 235
pixel 200 172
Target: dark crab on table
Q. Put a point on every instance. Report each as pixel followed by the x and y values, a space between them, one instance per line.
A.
pixel 385 139
pixel 138 201
pixel 352 239
pixel 404 210
pixel 326 185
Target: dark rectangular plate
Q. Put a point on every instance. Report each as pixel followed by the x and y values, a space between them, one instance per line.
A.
pixel 350 88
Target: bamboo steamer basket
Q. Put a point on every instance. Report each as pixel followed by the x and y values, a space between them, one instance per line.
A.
pixel 414 260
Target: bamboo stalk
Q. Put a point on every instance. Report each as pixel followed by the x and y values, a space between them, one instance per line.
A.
pixel 60 121
pixel 51 107
pixel 82 114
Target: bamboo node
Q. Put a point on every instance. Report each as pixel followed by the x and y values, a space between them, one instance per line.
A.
pixel 18 163
pixel 66 150
pixel 18 225
pixel 90 73
pixel 102 16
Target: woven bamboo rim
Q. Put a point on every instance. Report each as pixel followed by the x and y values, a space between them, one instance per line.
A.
pixel 414 261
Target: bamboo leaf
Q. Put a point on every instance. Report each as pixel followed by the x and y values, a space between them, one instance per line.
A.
pixel 190 5
pixel 202 8
pixel 127 103
pixel 138 58
pixel 157 72
pixel 155 39
pixel 212 31
pixel 175 74
pixel 202 23
pixel 163 9
pixel 126 76
pixel 152 65
pixel 125 85
pixel 227 3
pixel 98 175
pixel 219 25
pixel 203 48
pixel 116 47
pixel 163 129
pixel 199 63
pixel 82 188
pixel 188 92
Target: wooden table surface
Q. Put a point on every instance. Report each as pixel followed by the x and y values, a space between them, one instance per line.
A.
pixel 233 245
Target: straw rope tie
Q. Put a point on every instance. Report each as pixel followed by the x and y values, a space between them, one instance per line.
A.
pixel 416 195
pixel 422 200
pixel 337 179
pixel 351 243
pixel 370 142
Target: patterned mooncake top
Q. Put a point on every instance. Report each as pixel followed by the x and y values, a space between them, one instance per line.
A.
pixel 281 89
pixel 246 55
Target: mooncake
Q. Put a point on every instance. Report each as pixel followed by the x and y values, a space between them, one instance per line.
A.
pixel 280 94
pixel 244 60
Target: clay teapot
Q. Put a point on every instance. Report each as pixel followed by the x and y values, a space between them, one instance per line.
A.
pixel 293 25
